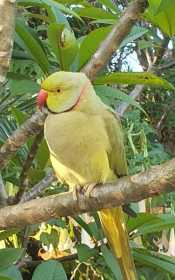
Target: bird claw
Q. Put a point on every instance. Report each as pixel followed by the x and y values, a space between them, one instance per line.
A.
pixel 88 189
pixel 75 191
pixel 84 190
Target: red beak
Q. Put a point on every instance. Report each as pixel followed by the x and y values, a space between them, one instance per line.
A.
pixel 41 98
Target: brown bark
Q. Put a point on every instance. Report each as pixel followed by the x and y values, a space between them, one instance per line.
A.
pixel 158 179
pixel 20 136
pixel 7 16
pixel 99 59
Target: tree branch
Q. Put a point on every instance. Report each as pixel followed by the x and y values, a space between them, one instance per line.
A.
pixel 114 39
pixel 24 182
pixel 135 93
pixel 20 136
pixel 99 59
pixel 39 187
pixel 7 17
pixel 158 179
pixel 165 66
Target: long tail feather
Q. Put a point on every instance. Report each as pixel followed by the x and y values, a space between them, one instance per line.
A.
pixel 113 224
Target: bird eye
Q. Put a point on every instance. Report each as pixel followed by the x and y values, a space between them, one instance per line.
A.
pixel 58 90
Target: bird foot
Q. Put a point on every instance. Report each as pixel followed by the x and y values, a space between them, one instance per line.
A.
pixel 75 191
pixel 84 190
pixel 88 189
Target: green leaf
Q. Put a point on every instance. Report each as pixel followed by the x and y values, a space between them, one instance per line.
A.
pixel 91 42
pixel 23 86
pixel 4 234
pixel 109 4
pixel 145 258
pixel 12 272
pixel 141 219
pixel 104 21
pixel 84 225
pixel 45 238
pixel 51 6
pixel 76 2
pixel 161 14
pixel 163 5
pixel 19 116
pixel 62 8
pixel 63 43
pixel 136 33
pixel 144 44
pixel 5 277
pixel 56 16
pixel 96 227
pixel 91 228
pixel 148 223
pixel 163 257
pixel 95 13
pixel 154 5
pixel 96 232
pixel 109 92
pixel 6 129
pixel 51 237
pixel 85 253
pixel 111 263
pixel 35 175
pixel 9 255
pixel 32 45
pixel 54 13
pixel 132 78
pixel 158 223
pixel 50 270
pixel 42 155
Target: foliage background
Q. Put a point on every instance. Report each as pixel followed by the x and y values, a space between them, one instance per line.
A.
pixel 63 35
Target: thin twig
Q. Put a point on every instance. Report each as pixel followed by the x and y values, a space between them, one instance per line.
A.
pixel 165 66
pixel 135 93
pixel 27 164
pixel 39 187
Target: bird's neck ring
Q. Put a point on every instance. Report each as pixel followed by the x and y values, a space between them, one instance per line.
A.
pixel 82 94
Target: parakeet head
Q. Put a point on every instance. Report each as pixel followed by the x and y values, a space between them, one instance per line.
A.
pixel 62 91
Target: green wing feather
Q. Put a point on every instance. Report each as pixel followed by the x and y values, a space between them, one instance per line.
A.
pixel 116 156
pixel 113 220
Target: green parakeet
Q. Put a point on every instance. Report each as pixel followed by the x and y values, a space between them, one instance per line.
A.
pixel 86 147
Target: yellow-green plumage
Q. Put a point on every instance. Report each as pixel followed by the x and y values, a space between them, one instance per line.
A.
pixel 86 147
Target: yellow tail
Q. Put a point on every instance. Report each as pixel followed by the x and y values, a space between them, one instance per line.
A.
pixel 113 224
